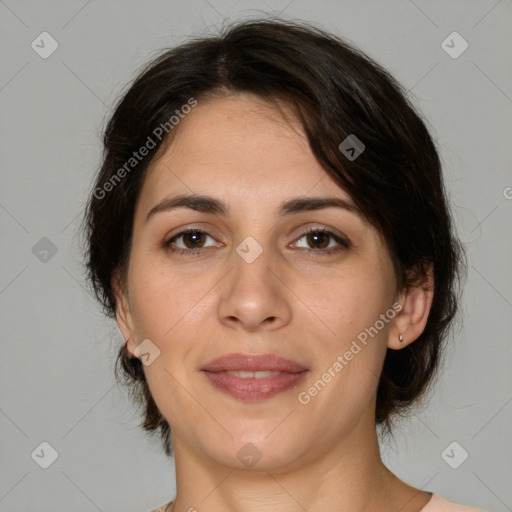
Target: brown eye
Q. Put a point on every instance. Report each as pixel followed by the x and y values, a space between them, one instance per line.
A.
pixel 318 238
pixel 193 239
pixel 189 240
pixel 321 241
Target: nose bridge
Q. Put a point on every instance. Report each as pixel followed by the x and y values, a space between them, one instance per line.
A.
pixel 254 296
pixel 253 264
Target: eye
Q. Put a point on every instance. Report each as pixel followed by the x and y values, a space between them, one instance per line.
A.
pixel 192 240
pixel 326 242
pixel 318 241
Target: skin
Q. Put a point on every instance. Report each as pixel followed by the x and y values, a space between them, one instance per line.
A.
pixel 301 306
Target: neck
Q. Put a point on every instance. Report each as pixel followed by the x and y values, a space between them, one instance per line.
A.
pixel 347 477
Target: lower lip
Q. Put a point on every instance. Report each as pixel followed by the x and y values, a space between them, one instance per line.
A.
pixel 252 388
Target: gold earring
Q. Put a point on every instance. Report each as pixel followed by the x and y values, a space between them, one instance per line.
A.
pixel 400 338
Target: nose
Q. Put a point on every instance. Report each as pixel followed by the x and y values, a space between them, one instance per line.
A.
pixel 255 295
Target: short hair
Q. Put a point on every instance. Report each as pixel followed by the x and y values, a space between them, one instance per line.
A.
pixel 335 90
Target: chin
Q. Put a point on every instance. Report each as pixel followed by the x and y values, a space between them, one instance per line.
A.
pixel 257 449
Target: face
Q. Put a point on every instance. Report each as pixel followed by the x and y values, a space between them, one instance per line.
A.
pixel 295 297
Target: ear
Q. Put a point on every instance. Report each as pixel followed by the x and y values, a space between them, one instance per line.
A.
pixel 411 320
pixel 123 314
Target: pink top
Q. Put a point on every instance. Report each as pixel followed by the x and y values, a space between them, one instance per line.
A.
pixel 436 504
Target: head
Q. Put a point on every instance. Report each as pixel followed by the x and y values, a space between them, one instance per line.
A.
pixel 247 133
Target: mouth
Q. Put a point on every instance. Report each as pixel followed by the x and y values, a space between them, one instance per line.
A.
pixel 253 377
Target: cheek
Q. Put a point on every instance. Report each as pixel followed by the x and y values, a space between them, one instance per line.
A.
pixel 169 309
pixel 345 302
pixel 164 300
pixel 348 306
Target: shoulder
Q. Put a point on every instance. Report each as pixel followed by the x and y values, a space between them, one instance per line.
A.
pixel 162 508
pixel 439 504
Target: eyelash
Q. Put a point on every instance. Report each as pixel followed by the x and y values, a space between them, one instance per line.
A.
pixel 343 243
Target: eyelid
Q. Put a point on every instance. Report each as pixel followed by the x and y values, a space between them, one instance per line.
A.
pixel 322 228
pixel 195 228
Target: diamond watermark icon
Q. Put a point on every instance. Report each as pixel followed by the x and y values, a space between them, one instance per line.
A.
pixel 249 249
pixel 44 45
pixel 454 455
pixel 44 455
pixel 352 147
pixel 147 352
pixel 249 455
pixel 44 250
pixel 454 45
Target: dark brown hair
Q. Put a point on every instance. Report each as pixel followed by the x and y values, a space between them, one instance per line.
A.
pixel 335 90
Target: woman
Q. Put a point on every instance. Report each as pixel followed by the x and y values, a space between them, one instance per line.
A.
pixel 270 230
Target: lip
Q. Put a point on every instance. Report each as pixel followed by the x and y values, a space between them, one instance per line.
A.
pixel 253 363
pixel 289 375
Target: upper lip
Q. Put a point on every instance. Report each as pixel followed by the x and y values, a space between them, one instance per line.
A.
pixel 253 363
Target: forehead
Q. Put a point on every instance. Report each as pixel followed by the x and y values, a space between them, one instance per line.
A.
pixel 239 148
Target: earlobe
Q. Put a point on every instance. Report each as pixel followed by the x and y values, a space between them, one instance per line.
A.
pixel 411 320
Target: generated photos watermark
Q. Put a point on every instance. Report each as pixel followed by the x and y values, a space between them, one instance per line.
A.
pixel 137 156
pixel 342 361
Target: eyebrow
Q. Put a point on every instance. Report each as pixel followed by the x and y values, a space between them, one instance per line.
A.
pixel 207 204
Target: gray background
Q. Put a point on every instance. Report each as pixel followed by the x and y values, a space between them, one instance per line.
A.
pixel 57 383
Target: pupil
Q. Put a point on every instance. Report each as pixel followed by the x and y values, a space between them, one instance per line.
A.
pixel 316 239
pixel 194 236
